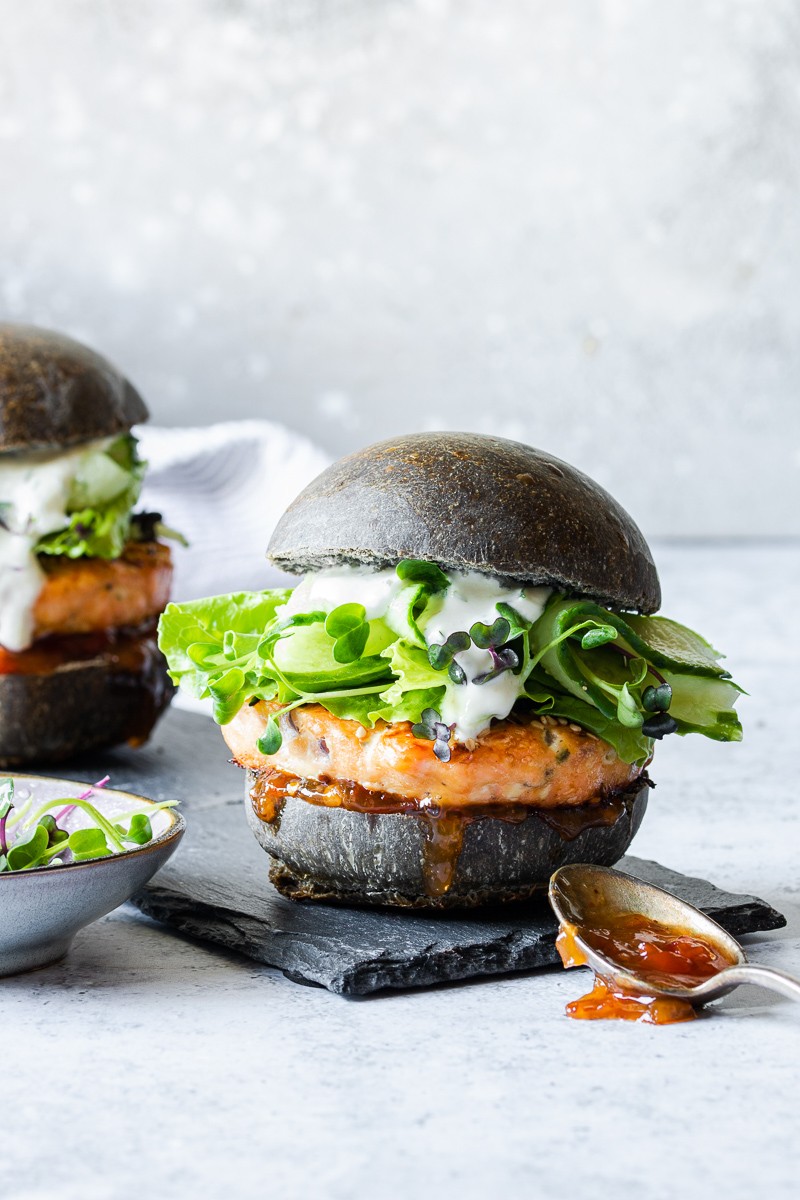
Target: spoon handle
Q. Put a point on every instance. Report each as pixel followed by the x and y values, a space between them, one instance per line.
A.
pixel 768 977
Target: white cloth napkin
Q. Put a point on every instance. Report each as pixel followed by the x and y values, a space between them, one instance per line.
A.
pixel 224 487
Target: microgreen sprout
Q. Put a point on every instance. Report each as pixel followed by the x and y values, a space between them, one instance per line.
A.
pixel 604 632
pixel 42 839
pixel 101 783
pixel 349 628
pixel 149 526
pixel 457 673
pixel 490 637
pixel 627 708
pixel 599 636
pixel 659 725
pixel 517 623
pixel 416 570
pixel 442 656
pixel 650 668
pixel 506 659
pixel 657 699
pixel 433 729
pixel 484 637
pixel 271 739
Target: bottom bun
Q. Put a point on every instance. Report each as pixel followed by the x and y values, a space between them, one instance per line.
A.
pixel 87 703
pixel 451 860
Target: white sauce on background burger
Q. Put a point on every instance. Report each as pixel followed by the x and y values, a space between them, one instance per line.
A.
pixel 471 597
pixel 34 491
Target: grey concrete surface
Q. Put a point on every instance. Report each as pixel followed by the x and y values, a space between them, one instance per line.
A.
pixel 574 224
pixel 146 1064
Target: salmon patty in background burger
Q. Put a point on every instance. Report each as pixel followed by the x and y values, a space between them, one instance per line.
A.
pixel 463 691
pixel 83 579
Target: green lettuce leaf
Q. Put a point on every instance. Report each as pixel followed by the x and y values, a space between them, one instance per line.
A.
pixel 625 678
pixel 211 647
pixel 412 671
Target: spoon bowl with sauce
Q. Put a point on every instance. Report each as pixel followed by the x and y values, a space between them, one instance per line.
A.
pixel 655 957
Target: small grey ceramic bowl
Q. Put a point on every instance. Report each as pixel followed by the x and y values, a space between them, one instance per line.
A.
pixel 41 910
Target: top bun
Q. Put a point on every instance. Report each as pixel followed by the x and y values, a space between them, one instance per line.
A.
pixel 55 392
pixel 469 502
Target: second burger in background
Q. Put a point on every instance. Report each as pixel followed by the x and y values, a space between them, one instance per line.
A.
pixel 83 578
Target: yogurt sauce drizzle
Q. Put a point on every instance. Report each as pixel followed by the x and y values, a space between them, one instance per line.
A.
pixel 471 597
pixel 34 490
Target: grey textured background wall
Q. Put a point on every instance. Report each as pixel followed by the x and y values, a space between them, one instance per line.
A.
pixel 576 224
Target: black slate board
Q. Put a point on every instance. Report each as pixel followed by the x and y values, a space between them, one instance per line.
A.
pixel 216 888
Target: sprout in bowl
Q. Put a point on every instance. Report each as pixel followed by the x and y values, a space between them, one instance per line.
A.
pixel 40 826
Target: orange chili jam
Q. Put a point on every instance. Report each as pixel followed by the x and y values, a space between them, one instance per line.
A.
pixel 657 953
pixel 444 828
pixel 126 649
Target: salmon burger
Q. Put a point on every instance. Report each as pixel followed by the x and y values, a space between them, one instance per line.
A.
pixel 463 691
pixel 83 579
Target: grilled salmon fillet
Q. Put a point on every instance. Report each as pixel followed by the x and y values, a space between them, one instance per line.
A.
pixel 543 762
pixel 89 595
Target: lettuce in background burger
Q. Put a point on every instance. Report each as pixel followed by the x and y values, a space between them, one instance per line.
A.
pixel 464 690
pixel 83 579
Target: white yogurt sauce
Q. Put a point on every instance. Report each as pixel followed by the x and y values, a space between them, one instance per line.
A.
pixel 325 590
pixel 34 490
pixel 471 597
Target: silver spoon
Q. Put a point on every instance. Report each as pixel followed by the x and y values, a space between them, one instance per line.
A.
pixel 583 895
